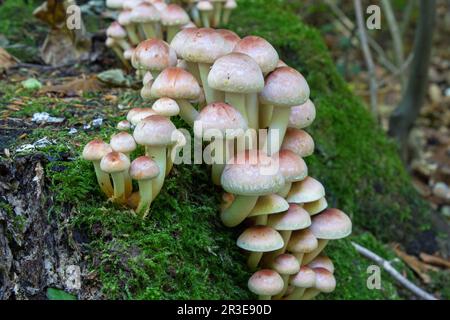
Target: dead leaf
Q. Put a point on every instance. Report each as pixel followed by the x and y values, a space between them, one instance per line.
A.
pixel 75 87
pixel 420 268
pixel 6 60
pixel 435 260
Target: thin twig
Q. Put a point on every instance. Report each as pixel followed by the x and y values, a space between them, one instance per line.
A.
pixel 406 19
pixel 394 273
pixel 396 37
pixel 367 57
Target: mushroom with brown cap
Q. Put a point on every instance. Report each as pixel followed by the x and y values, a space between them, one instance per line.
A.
pixel 332 224
pixel 249 175
pixel 123 125
pixel 230 38
pixel 265 283
pixel 205 9
pixel 299 142
pixel 154 55
pixel 267 58
pixel 166 107
pixel 266 205
pixel 173 17
pixel 230 6
pixel 136 115
pixel 148 18
pixel 223 123
pixel 307 190
pixel 303 115
pixel 293 168
pixel 284 88
pixel 144 170
pixel 180 85
pixel 325 282
pixel 316 207
pixel 322 261
pixel 116 164
pixel 116 32
pixel 155 133
pixel 257 240
pixel 238 75
pixel 94 151
pixel 286 265
pixel 301 242
pixel 124 142
pixel 202 47
pixel 304 279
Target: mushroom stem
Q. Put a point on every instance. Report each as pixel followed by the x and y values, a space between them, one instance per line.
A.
pixel 211 95
pixel 196 16
pixel 285 278
pixel 221 150
pixel 264 297
pixel 297 294
pixel 169 161
pixel 279 122
pixel 238 210
pixel 123 44
pixel 117 50
pixel 261 220
pixel 226 16
pixel 237 100
pixel 252 110
pixel 128 184
pixel 253 260
pixel 158 154
pixel 265 115
pixel 146 197
pixel 171 32
pixel 119 187
pixel 284 192
pixel 187 112
pixel 217 13
pixel 322 243
pixel 103 180
pixel 310 294
pixel 286 235
pixel 149 30
pixel 299 256
pixel 194 70
pixel 132 35
pixel 205 19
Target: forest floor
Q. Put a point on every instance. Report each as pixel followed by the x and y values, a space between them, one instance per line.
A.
pixel 183 251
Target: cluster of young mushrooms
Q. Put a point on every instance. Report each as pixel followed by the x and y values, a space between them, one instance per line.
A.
pixel 139 20
pixel 252 110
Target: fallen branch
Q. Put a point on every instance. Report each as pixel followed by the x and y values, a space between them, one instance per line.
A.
pixel 394 273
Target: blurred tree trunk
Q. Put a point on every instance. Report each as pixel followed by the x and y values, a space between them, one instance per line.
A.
pixel 403 118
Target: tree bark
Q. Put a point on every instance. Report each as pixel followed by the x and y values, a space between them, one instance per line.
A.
pixel 403 118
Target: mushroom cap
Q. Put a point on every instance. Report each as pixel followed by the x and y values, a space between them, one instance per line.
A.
pixel 299 142
pixel 95 150
pixel 136 115
pixel 176 83
pixel 295 218
pixel 260 239
pixel 145 13
pixel 260 50
pixel 174 15
pixel 166 107
pixel 160 5
pixel 236 72
pixel 124 17
pixel 128 53
pixel 266 283
pixel 331 224
pixel 230 37
pixel 155 131
pixel 130 4
pixel 114 4
pixel 303 115
pixel 144 168
pixel 123 142
pixel 269 204
pixel 230 4
pixel 190 24
pixel 110 42
pixel 285 87
pixel 285 264
pixel 200 45
pixel 322 262
pixel 124 125
pixel 154 54
pixel 305 278
pixel 302 241
pixel 307 190
pixel 325 280
pixel 204 6
pixel 116 31
pixel 220 116
pixel 114 162
pixel 281 63
pixel 292 166
pixel 147 80
pixel 251 173
pixel 316 207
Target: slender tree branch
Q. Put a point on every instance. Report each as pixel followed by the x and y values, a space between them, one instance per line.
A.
pixel 367 57
pixel 394 273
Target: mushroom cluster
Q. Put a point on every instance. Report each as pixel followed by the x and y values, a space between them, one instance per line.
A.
pixel 251 109
pixel 139 20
